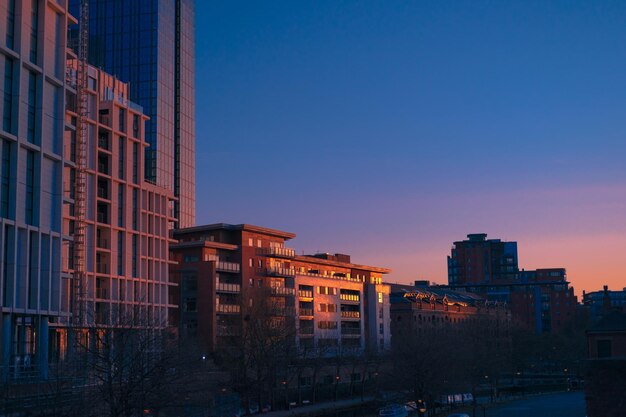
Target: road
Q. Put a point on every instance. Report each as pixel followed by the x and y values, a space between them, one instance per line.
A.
pixel 568 404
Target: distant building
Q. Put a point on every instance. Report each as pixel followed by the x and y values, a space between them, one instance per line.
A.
pixel 600 302
pixel 422 309
pixel 479 260
pixel 540 300
pixel 225 270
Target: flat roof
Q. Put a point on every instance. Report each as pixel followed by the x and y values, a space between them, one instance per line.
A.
pixel 236 227
pixel 322 261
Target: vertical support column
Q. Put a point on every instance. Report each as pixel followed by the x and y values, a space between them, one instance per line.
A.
pixel 42 347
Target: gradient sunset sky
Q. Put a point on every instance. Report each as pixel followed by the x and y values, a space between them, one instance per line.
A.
pixel 389 129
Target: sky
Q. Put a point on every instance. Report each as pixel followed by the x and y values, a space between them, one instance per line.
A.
pixel 390 129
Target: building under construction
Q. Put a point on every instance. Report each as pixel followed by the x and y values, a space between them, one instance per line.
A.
pixel 83 237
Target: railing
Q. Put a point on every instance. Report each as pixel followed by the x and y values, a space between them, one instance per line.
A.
pixel 103 218
pixel 278 272
pixel 307 331
pixel 282 311
pixel 105 119
pixel 277 252
pixel 103 142
pixel 305 293
pixel 350 314
pixel 103 168
pixel 350 297
pixel 102 293
pixel 349 331
pixel 230 288
pixel 102 268
pixel 306 311
pixel 102 243
pixel 320 275
pixel 103 193
pixel 283 291
pixel 224 330
pixel 228 267
pixel 228 308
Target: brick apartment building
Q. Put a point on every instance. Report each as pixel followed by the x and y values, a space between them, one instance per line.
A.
pixel 225 270
pixel 540 300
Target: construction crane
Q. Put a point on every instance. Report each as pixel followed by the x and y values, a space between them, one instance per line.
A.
pixel 79 284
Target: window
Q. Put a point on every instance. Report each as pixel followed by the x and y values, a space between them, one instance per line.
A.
pixel 327 325
pixel 5 173
pixel 30 188
pixel 250 241
pixel 7 112
pixel 121 161
pixel 189 306
pixel 135 207
pixel 32 98
pixel 135 162
pixel 380 297
pixel 258 243
pixel 135 126
pixel 120 254
pixel 120 205
pixel 250 262
pixel 134 256
pixel 381 328
pixel 34 28
pixel 10 39
pixel 122 120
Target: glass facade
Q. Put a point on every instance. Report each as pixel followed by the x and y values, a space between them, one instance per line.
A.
pixel 150 44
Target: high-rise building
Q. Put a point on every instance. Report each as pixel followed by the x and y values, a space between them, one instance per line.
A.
pixel 150 44
pixel 223 271
pixel 33 293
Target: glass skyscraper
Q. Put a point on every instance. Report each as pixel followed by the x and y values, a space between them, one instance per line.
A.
pixel 150 44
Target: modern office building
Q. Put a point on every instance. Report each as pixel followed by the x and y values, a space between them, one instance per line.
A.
pixel 33 292
pixel 225 270
pixel 128 218
pixel 540 300
pixel 150 44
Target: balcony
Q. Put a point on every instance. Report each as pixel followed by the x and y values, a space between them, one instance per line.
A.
pixel 102 293
pixel 277 252
pixel 103 142
pixel 307 331
pixel 102 268
pixel 227 331
pixel 308 312
pixel 283 291
pixel 228 267
pixel 228 308
pixel 350 331
pixel 282 311
pixel 350 314
pixel 350 297
pixel 102 243
pixel 228 288
pixel 305 294
pixel 278 272
pixel 103 192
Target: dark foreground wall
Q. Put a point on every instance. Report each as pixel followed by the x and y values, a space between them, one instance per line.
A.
pixel 605 388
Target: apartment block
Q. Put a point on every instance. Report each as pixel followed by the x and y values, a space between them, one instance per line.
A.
pixel 225 271
pixel 127 219
pixel 540 300
pixel 33 292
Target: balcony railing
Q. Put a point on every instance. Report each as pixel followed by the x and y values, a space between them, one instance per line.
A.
pixel 228 267
pixel 228 308
pixel 103 193
pixel 350 297
pixel 307 331
pixel 349 331
pixel 278 272
pixel 277 252
pixel 282 311
pixel 102 293
pixel 229 288
pixel 283 291
pixel 350 314
pixel 305 293
pixel 225 330
pixel 306 312
pixel 102 268
pixel 102 243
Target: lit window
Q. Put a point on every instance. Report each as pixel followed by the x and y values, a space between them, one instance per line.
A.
pixel 380 297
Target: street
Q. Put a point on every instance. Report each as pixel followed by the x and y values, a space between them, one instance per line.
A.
pixel 568 404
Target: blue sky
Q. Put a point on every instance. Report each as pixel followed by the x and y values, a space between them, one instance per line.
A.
pixel 389 129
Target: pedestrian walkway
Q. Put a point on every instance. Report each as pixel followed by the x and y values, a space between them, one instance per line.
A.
pixel 320 408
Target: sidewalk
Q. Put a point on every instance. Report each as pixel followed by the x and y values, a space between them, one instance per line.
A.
pixel 316 409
